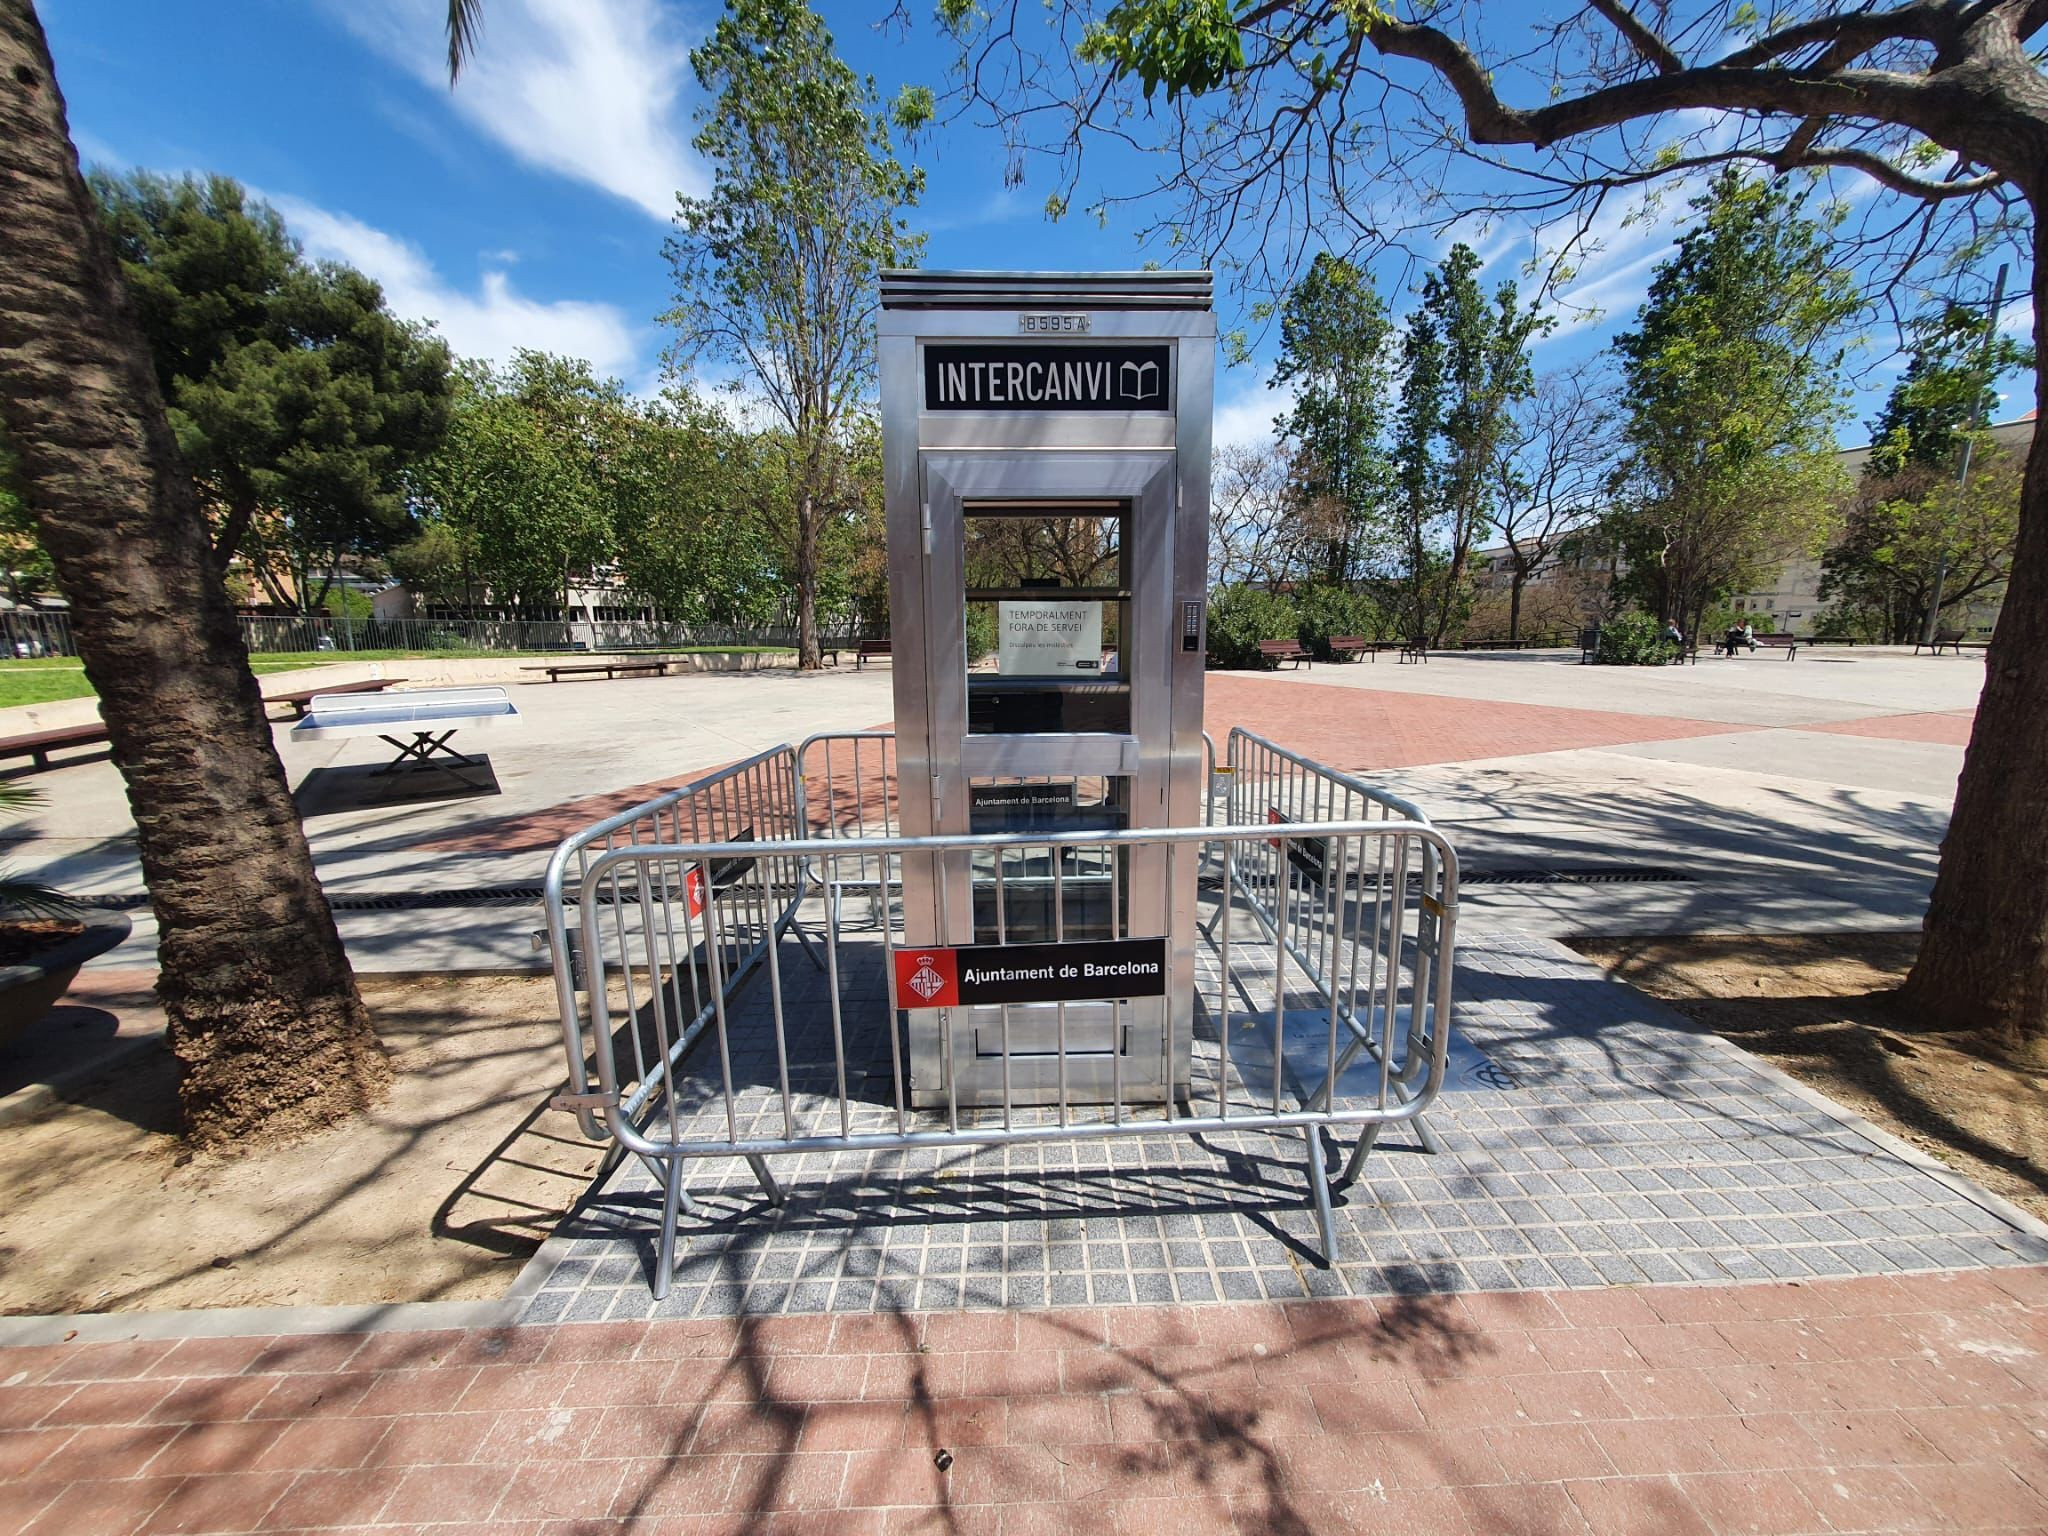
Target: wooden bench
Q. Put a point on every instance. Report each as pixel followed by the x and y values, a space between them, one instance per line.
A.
pixel 1789 644
pixel 1952 638
pixel 39 744
pixel 299 698
pixel 1351 647
pixel 869 648
pixel 1414 650
pixel 626 667
pixel 1273 652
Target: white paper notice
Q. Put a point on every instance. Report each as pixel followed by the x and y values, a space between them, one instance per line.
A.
pixel 1050 639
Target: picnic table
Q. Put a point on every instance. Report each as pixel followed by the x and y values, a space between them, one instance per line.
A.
pixel 429 716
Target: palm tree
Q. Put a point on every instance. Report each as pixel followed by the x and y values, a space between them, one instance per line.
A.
pixel 269 1030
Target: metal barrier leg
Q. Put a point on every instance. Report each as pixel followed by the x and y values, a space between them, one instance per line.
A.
pixel 671 1205
pixel 1319 1183
pixel 769 1187
pixel 804 939
pixel 1355 1164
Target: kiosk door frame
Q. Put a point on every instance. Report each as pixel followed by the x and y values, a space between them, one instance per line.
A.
pixel 951 483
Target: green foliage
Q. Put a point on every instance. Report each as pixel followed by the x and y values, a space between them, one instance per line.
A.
pixel 1901 528
pixel 913 109
pixel 298 400
pixel 1241 616
pixel 24 563
pixel 1333 351
pixel 1465 364
pixel 1632 639
pixel 1954 365
pixel 1322 611
pixel 522 483
pixel 776 270
pixel 1732 386
pixel 1185 45
pixel 347 600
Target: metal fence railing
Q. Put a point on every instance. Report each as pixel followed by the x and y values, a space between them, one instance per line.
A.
pixel 753 901
pixel 271 634
pixel 1269 783
pixel 1332 939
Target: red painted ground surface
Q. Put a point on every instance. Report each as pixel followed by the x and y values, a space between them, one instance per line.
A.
pixel 1916 1403
pixel 1949 727
pixel 1347 728
pixel 1355 728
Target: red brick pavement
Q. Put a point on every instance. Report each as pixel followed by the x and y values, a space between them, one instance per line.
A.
pixel 1948 727
pixel 1364 728
pixel 1350 728
pixel 1911 1403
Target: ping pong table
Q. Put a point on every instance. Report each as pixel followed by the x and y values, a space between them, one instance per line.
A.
pixel 430 716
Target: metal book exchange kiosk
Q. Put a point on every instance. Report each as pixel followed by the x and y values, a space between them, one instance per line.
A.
pixel 1045 907
pixel 1046 443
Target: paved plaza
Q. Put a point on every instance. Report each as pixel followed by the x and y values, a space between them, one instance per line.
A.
pixel 1644 1283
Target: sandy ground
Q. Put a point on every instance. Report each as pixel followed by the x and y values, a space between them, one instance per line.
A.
pixel 441 1194
pixel 1822 1008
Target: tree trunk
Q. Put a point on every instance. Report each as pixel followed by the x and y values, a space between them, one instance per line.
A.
pixel 1983 961
pixel 1515 605
pixel 809 655
pixel 269 1032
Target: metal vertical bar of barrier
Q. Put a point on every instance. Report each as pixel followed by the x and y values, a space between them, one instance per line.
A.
pixel 1316 898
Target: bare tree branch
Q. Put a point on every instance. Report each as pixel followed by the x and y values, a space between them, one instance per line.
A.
pixel 1655 52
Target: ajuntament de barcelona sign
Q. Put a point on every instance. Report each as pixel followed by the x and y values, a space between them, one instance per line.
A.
pixel 1034 376
pixel 958 976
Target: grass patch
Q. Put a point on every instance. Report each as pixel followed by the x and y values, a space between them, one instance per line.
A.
pixel 45 679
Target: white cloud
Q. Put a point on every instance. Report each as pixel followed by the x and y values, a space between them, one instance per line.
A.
pixel 492 322
pixel 589 89
pixel 1244 416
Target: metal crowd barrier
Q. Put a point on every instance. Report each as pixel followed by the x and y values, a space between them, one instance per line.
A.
pixel 1268 782
pixel 758 800
pixel 1346 933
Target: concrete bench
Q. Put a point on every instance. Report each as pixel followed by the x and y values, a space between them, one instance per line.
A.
pixel 624 667
pixel 299 699
pixel 38 745
pixel 1273 652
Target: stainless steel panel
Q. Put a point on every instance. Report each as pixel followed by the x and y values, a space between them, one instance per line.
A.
pixel 936 466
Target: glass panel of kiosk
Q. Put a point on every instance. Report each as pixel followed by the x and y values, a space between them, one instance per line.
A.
pixel 1047 603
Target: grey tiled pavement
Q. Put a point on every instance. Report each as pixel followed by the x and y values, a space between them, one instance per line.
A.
pixel 1630 1148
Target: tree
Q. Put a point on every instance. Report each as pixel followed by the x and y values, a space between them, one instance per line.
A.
pixel 1465 364
pixel 684 535
pixel 1901 528
pixel 1730 383
pixel 1914 522
pixel 1328 119
pixel 1261 531
pixel 262 1010
pixel 296 397
pixel 776 270
pixel 1955 363
pixel 24 563
pixel 1334 332
pixel 1552 481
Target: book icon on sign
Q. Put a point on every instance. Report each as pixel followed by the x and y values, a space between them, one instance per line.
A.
pixel 1137 381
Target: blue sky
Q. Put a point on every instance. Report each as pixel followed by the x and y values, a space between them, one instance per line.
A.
pixel 528 207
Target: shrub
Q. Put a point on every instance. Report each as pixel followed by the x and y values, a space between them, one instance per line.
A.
pixel 1324 611
pixel 1632 640
pixel 1240 617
